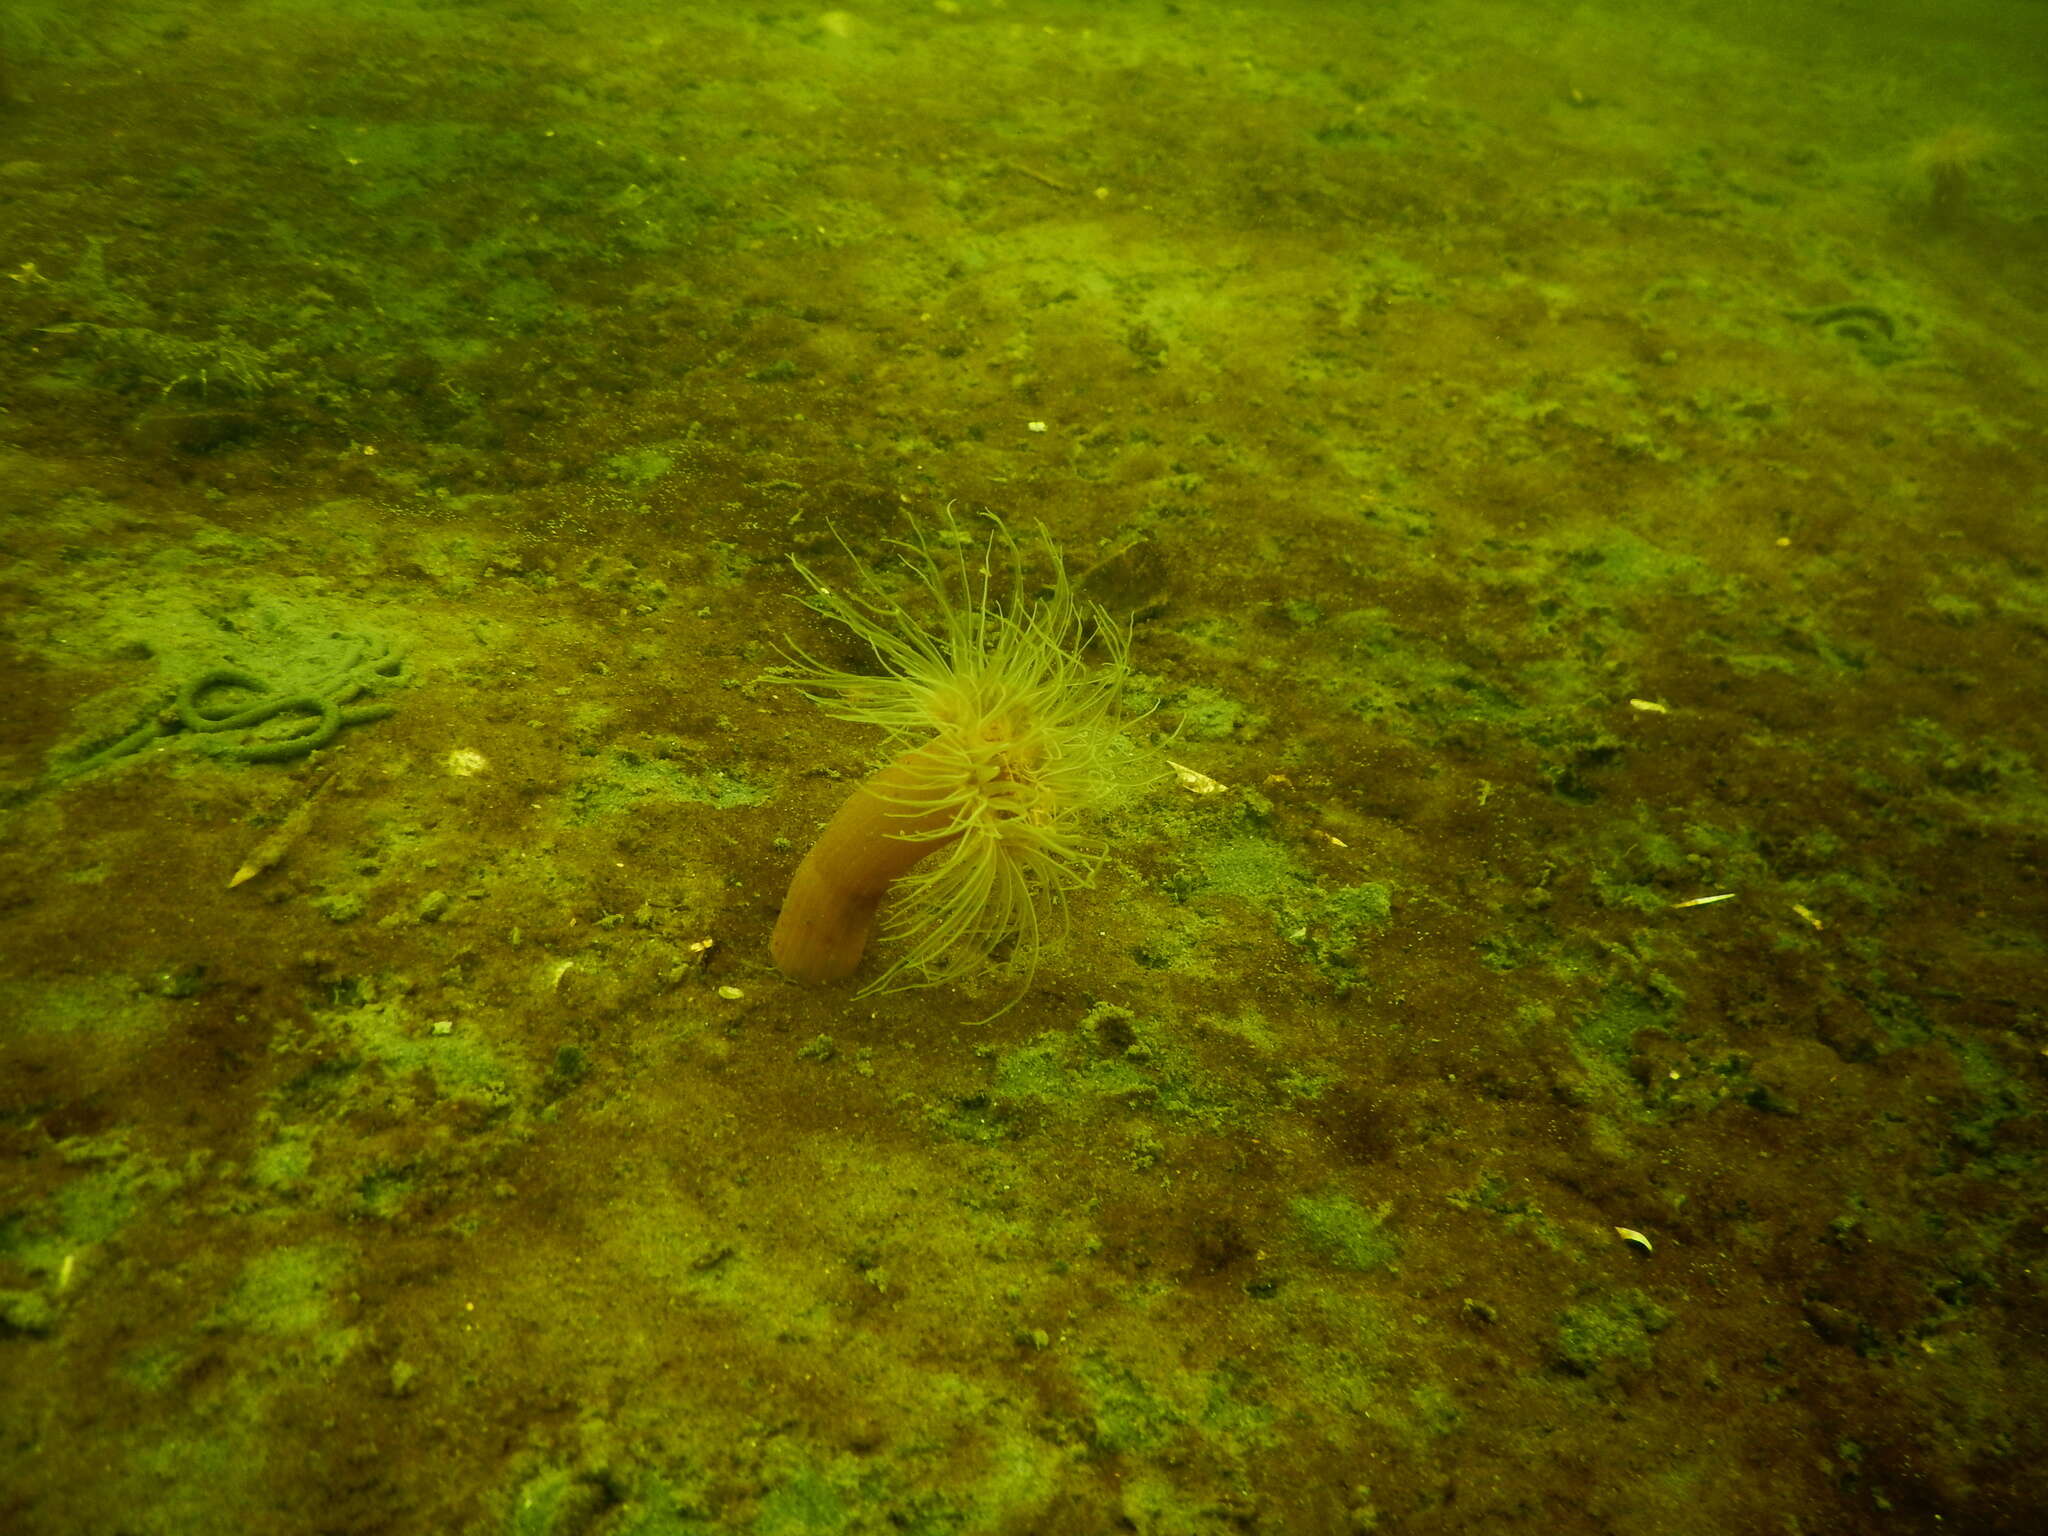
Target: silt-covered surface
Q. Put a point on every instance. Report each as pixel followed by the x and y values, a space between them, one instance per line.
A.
pixel 1558 468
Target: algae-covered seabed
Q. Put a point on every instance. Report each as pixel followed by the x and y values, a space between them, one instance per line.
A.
pixel 1561 464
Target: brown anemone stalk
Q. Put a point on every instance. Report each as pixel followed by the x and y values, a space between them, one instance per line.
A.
pixel 876 838
pixel 1004 747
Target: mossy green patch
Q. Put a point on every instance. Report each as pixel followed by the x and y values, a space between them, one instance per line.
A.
pixel 1345 1233
pixel 1385 672
pixel 381 1192
pixel 1232 1403
pixel 1339 923
pixel 1204 714
pixel 89 1208
pixel 1518 1212
pixel 625 780
pixel 87 1007
pixel 26 1312
pixel 1610 1337
pixel 286 1163
pixel 1249 1025
pixel 1604 1033
pixel 155 1367
pixel 808 1503
pixel 1255 870
pixel 460 1064
pixel 556 1501
pixel 1111 1059
pixel 1125 1413
pixel 639 467
pixel 283 1293
pixel 340 906
pixel 1329 925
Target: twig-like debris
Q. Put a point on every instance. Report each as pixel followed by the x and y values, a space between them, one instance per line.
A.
pixel 1038 176
pixel 272 850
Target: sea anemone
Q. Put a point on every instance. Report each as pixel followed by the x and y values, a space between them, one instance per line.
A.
pixel 1004 744
pixel 1949 160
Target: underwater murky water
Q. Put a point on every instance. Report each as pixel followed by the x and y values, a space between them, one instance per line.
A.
pixel 1547 1035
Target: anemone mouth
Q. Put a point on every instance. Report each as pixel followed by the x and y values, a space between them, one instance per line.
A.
pixel 1005 859
pixel 987 776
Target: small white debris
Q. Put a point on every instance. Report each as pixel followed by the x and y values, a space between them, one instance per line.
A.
pixel 464 763
pixel 1631 1235
pixel 1194 781
pixel 1703 901
pixel 731 994
pixel 1034 426
pixel 1648 706
pixel 441 1027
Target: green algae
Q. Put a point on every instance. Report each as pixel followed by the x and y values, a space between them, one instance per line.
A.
pixel 1611 1337
pixel 624 780
pixel 1344 1233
